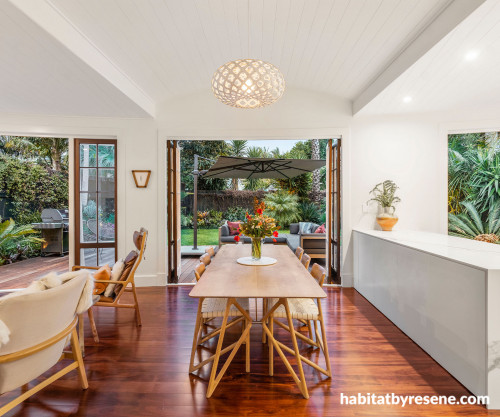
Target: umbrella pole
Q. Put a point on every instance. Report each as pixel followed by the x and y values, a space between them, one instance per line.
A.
pixel 195 204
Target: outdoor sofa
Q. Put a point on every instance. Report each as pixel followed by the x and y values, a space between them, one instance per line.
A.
pixel 301 234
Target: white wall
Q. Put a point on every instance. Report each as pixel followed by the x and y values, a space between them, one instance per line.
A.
pixel 137 149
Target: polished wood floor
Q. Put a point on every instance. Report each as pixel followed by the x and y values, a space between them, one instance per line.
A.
pixel 143 371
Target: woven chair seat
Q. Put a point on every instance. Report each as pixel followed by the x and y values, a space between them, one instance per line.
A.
pixel 215 307
pixel 300 308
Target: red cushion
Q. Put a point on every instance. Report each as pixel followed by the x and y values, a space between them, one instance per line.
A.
pixel 321 229
pixel 233 228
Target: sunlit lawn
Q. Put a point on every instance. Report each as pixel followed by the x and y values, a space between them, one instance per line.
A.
pixel 206 237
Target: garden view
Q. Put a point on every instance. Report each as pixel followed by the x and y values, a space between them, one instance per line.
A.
pixel 473 186
pixel 298 199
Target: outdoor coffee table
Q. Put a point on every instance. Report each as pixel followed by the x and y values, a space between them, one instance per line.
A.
pixel 287 278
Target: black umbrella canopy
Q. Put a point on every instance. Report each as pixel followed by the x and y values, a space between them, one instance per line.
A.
pixel 253 168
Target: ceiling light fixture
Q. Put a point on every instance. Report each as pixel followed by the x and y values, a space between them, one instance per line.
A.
pixel 407 99
pixel 248 83
pixel 471 55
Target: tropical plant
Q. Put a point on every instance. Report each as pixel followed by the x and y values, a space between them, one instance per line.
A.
pixel 16 241
pixel 283 206
pixel 186 221
pixel 384 193
pixel 470 225
pixel 234 214
pixel 209 219
pixel 257 184
pixel 309 212
pixel 316 175
pixel 484 180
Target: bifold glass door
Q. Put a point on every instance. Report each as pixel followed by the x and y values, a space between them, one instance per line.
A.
pixel 95 201
pixel 334 211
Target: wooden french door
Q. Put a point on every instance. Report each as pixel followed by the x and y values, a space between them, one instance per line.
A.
pixel 173 212
pixel 334 252
pixel 95 202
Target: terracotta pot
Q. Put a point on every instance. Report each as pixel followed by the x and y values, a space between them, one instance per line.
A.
pixel 387 223
pixel 387 219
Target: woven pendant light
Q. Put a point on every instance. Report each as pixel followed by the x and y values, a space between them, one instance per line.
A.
pixel 248 83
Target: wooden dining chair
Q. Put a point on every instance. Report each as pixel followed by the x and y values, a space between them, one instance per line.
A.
pixel 211 251
pixel 199 270
pixel 305 310
pixel 210 309
pixel 206 259
pixel 299 252
pixel 125 283
pixel 306 260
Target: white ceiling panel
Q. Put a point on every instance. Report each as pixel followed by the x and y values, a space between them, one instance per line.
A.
pixel 172 48
pixel 39 76
pixel 445 79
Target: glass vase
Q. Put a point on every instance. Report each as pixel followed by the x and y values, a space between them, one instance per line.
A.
pixel 256 248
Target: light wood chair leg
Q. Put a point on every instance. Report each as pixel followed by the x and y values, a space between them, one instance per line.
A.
pixel 81 333
pixel 93 327
pixel 197 329
pixel 302 385
pixel 309 329
pixel 264 311
pixel 247 348
pixel 325 344
pixel 77 355
pixel 136 306
pixel 271 346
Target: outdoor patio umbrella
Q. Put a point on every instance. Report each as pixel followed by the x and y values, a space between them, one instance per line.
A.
pixel 253 168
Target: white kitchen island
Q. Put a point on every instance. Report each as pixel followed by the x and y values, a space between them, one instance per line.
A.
pixel 444 293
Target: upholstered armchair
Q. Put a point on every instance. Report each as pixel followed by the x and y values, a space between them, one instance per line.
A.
pixel 35 328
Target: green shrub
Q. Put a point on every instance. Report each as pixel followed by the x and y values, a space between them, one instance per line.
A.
pixel 186 221
pixel 32 188
pixel 209 219
pixel 17 242
pixel 283 206
pixel 309 212
pixel 233 214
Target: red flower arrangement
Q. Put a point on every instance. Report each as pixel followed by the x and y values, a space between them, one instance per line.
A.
pixel 237 238
pixel 259 225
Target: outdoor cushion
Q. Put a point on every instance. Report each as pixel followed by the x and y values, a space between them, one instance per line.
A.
pixel 321 229
pixel 293 241
pixel 103 273
pixel 224 230
pixel 307 227
pixel 294 228
pixel 233 228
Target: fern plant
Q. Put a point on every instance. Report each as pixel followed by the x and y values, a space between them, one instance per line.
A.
pixel 469 224
pixel 385 194
pixel 15 241
pixel 283 207
pixel 309 212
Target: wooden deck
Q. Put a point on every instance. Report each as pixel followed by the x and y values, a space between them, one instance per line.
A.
pixel 21 274
pixel 143 371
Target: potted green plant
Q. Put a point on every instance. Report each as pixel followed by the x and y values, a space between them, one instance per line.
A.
pixel 385 195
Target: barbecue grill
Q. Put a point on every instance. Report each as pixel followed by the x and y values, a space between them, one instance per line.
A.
pixel 55 229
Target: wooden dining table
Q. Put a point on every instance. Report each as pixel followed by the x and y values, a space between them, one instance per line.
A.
pixel 287 278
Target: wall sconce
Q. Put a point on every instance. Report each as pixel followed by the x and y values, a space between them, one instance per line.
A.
pixel 141 177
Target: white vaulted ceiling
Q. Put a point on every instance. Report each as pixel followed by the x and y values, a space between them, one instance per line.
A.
pixel 126 57
pixel 173 47
pixel 446 78
pixel 39 76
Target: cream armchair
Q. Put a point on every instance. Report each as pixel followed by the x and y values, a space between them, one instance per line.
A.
pixel 40 325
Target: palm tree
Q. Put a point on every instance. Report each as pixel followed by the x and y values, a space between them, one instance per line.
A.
pixel 237 148
pixel 283 206
pixel 256 184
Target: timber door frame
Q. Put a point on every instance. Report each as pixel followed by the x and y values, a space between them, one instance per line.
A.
pixel 173 213
pixel 76 166
pixel 334 215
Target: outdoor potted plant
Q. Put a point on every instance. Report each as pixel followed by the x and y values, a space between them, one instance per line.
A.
pixel 384 195
pixel 258 227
